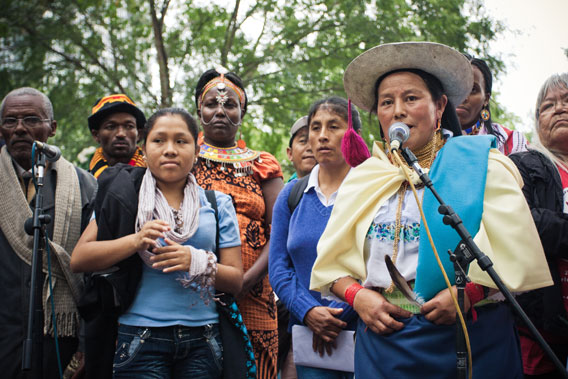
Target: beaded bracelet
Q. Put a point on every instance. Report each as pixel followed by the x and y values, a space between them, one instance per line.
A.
pixel 202 273
pixel 351 291
pixel 211 270
pixel 198 264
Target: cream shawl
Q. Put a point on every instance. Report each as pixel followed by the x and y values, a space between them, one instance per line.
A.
pixel 507 233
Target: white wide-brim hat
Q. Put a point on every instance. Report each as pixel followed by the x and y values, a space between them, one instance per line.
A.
pixel 451 68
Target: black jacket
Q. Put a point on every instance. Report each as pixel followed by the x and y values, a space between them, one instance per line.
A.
pixel 544 193
pixel 109 295
pixel 15 275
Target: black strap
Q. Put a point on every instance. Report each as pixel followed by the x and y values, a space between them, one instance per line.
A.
pixel 210 195
pixel 297 193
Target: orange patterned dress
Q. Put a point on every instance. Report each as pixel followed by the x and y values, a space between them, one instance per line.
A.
pixel 239 172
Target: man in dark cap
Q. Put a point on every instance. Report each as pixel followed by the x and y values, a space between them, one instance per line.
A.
pixel 116 124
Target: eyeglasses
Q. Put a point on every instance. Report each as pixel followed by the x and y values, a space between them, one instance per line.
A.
pixel 28 121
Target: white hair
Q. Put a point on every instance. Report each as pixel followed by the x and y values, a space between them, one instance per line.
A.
pixel 47 106
pixel 554 81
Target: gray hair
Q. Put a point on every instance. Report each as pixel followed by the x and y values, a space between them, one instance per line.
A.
pixel 47 106
pixel 555 81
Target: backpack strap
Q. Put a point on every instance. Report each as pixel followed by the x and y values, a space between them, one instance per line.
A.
pixel 210 195
pixel 238 355
pixel 297 193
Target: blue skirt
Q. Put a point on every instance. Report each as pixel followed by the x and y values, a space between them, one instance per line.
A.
pixel 425 350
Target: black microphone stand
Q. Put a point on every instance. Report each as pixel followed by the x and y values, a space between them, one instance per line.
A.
pixel 467 251
pixel 33 344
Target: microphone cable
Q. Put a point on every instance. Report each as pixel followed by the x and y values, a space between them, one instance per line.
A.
pixel 448 284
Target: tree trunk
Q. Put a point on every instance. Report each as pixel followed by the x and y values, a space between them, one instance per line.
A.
pixel 157 26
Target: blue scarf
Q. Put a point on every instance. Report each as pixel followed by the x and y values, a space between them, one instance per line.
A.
pixel 459 173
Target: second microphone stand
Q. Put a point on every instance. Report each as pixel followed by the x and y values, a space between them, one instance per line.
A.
pixel 467 251
pixel 33 343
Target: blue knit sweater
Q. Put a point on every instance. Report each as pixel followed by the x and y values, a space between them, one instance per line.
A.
pixel 293 250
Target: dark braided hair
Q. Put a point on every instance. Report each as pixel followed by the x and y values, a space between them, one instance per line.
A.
pixel 212 73
pixel 488 79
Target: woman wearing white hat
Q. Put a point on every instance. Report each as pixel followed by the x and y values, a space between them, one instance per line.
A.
pixel 376 214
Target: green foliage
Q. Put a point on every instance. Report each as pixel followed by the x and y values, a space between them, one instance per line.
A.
pixel 501 115
pixel 289 53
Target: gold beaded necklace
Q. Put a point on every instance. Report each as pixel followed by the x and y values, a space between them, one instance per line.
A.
pixel 425 154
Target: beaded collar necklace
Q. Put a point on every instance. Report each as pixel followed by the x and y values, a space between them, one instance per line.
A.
pixel 425 154
pixel 242 159
pixel 473 130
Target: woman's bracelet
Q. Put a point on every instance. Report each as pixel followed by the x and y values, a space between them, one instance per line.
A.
pixel 351 291
pixel 211 270
pixel 202 263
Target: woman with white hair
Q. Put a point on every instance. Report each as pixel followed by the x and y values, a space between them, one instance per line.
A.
pixel 544 169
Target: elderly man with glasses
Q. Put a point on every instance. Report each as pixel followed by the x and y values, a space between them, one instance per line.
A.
pixel 26 115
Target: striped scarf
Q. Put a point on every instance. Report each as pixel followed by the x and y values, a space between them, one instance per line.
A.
pixel 152 205
pixel 15 209
pixel 99 164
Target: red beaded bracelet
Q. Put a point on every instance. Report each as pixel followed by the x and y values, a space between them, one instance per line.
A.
pixel 351 291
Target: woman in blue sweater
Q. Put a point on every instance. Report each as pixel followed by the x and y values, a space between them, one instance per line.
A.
pixel 295 235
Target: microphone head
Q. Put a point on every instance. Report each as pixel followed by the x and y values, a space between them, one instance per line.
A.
pixel 52 153
pixel 399 131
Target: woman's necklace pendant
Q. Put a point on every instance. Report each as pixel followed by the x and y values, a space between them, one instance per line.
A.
pixel 178 219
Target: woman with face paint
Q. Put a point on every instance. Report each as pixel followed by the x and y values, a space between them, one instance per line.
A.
pixel 253 179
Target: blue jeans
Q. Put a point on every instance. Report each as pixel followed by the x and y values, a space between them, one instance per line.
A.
pixel 305 372
pixel 168 352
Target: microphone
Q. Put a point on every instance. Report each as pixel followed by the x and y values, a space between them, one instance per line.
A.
pixel 52 153
pixel 398 134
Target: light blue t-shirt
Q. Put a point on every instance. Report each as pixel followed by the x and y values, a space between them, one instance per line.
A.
pixel 161 300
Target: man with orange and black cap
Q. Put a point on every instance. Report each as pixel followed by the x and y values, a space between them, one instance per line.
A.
pixel 116 123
